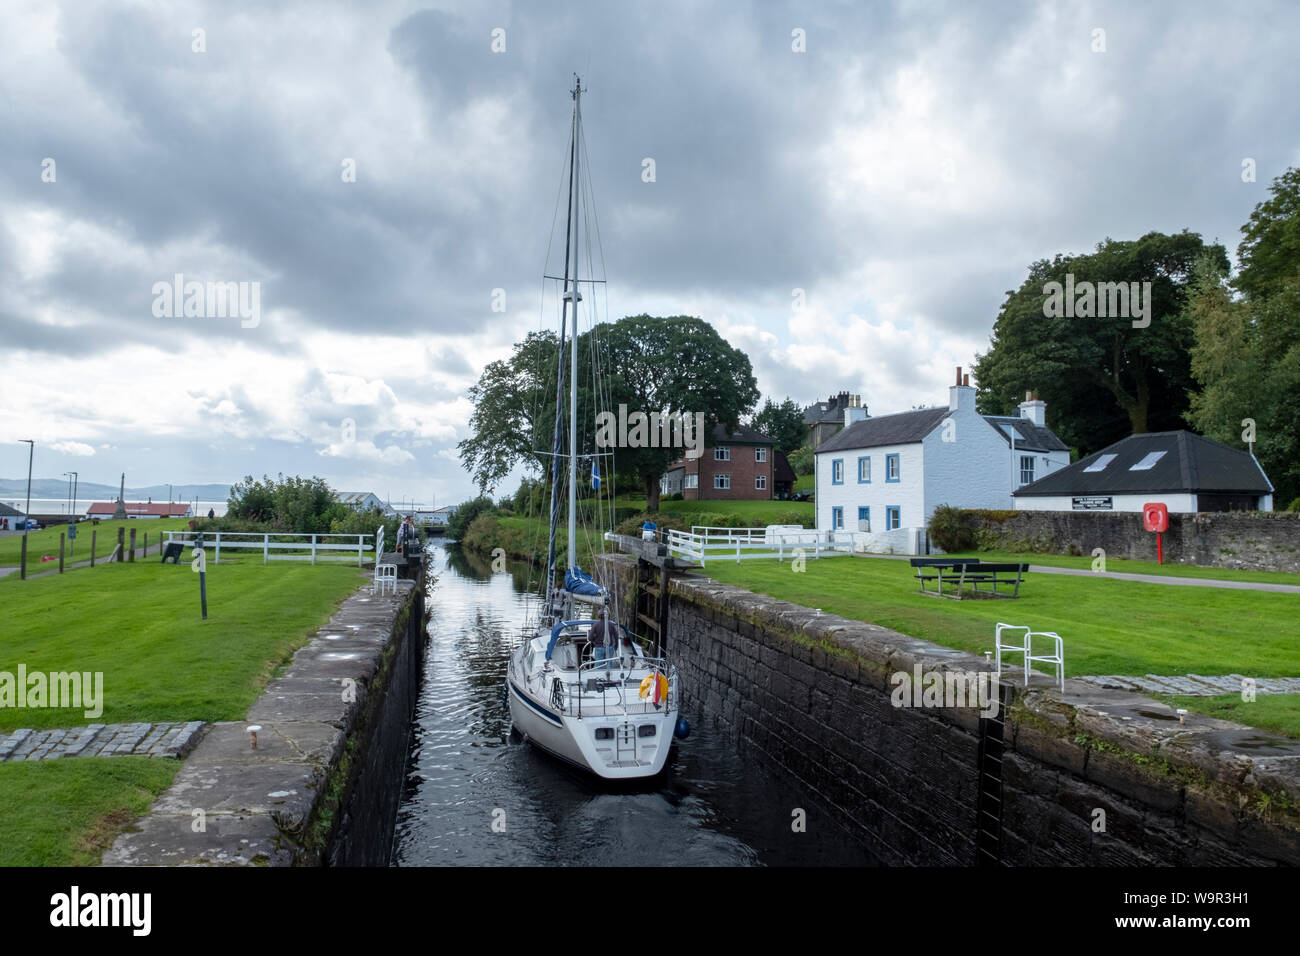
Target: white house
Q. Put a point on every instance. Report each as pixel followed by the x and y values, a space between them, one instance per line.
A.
pixel 363 501
pixel 1185 472
pixel 889 473
pixel 11 519
pixel 436 516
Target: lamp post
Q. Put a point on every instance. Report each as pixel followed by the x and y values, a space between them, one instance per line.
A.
pixel 27 511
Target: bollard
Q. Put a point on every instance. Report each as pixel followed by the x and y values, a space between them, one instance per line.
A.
pixel 93 532
pixel 121 543
pixel 22 567
pixel 145 553
pixel 131 555
pixel 62 535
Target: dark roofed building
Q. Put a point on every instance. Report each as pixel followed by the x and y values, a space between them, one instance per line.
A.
pixel 736 464
pixel 1186 472
pixel 824 419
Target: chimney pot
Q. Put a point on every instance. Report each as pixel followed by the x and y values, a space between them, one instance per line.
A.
pixel 958 374
pixel 965 380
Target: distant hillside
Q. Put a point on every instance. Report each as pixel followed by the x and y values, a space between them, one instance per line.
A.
pixel 58 488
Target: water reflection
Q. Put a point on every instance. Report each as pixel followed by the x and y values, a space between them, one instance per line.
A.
pixel 476 795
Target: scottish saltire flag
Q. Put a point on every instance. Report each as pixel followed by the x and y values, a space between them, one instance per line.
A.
pixel 595 474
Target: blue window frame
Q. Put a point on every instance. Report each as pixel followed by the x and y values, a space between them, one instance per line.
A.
pixel 893 517
pixel 837 519
pixel 891 468
pixel 864 514
pixel 837 471
pixel 864 470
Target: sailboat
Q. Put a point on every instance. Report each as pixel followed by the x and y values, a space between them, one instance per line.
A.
pixel 583 690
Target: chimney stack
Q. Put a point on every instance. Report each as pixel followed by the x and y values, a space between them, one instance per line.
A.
pixel 1033 410
pixel 961 395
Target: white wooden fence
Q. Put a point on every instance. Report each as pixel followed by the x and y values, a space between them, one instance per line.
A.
pixel 702 543
pixel 308 547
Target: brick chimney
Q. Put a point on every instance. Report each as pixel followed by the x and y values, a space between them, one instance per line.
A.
pixel 961 396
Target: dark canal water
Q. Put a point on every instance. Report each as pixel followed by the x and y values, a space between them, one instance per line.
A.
pixel 466 772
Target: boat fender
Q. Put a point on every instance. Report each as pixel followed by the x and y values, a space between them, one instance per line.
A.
pixel 683 728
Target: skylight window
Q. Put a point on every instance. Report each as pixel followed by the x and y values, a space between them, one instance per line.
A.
pixel 1101 463
pixel 1149 462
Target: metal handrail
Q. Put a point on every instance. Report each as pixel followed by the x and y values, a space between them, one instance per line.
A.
pixel 635 706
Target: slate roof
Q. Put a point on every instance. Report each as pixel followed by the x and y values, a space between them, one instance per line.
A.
pixel 741 435
pixel 781 470
pixel 1190 464
pixel 7 512
pixel 1029 437
pixel 900 429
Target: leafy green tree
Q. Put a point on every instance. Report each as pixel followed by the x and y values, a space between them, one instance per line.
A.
pixel 802 460
pixel 783 423
pixel 676 364
pixel 513 399
pixel 1100 377
pixel 1246 355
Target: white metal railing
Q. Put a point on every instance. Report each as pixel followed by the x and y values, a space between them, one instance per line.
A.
pixel 308 547
pixel 741 544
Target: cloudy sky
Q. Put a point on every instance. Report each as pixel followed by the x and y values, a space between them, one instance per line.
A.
pixel 903 170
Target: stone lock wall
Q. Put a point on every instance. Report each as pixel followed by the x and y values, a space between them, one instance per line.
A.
pixel 1255 541
pixel 808 695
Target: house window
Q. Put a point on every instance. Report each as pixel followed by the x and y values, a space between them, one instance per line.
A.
pixel 760 482
pixel 837 471
pixel 864 470
pixel 893 517
pixel 891 468
pixel 760 454
pixel 722 482
pixel 692 481
pixel 864 515
pixel 1026 469
pixel 837 519
pixel 722 453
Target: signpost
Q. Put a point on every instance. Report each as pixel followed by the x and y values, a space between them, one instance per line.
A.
pixel 200 564
pixel 1155 517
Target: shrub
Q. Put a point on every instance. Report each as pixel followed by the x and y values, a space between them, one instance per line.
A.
pixel 801 460
pixel 465 515
pixel 1294 506
pixel 952 529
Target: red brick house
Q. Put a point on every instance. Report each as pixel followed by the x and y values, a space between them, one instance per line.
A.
pixel 737 465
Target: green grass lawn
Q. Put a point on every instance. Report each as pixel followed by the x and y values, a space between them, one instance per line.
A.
pixel 1279 713
pixel 1135 567
pixel 139 624
pixel 46 541
pixel 1109 626
pixel 766 512
pixel 67 812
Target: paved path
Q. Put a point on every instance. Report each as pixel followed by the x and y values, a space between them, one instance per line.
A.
pixel 1195 685
pixel 102 740
pixel 1170 579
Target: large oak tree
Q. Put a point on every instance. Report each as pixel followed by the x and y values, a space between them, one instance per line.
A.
pixel 1101 377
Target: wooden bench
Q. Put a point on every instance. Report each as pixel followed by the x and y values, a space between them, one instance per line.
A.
pixel 941 570
pixel 957 573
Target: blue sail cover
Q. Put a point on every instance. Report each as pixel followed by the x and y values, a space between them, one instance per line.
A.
pixel 577 582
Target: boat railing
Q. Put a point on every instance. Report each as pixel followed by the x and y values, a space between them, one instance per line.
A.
pixel 609 672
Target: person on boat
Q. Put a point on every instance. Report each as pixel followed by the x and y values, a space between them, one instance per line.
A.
pixel 604 640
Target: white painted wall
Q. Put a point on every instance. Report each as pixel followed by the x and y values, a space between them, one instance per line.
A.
pixel 908 493
pixel 1179 503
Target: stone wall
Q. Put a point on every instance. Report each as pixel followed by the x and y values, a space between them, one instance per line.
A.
pixel 1252 540
pixel 808 695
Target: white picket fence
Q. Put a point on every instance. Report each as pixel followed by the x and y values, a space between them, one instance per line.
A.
pixel 317 547
pixel 703 543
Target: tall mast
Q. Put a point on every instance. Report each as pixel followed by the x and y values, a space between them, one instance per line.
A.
pixel 559 371
pixel 573 363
